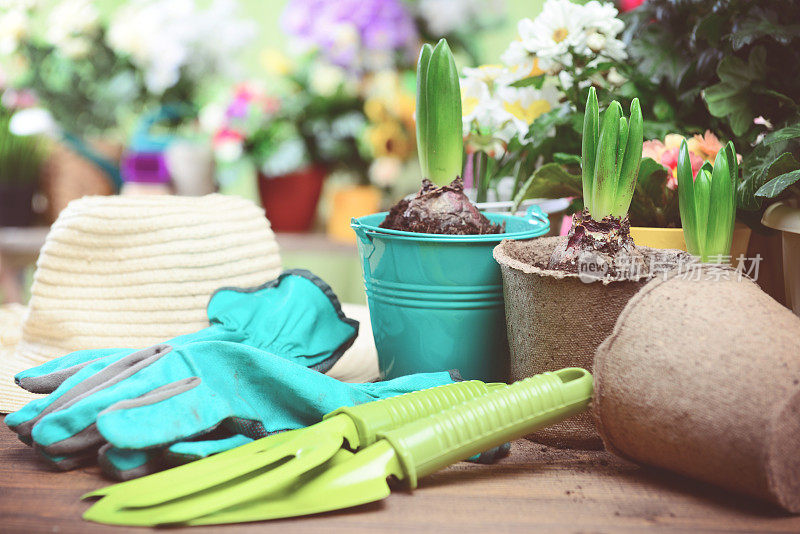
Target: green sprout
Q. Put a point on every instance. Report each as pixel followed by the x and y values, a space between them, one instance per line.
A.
pixel 708 204
pixel 611 154
pixel 439 134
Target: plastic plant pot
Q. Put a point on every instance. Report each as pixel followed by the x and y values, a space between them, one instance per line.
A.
pixel 672 238
pixel 436 301
pixel 290 201
pixel 786 218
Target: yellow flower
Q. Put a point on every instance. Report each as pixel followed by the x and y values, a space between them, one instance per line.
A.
pixel 672 141
pixel 388 138
pixel 529 112
pixel 276 62
pixel 559 34
pixel 375 110
pixel 468 104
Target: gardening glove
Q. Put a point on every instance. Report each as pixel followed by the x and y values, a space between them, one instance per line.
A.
pixel 258 317
pixel 163 395
pixel 296 316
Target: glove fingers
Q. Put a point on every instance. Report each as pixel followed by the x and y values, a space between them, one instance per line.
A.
pixel 67 425
pixel 184 452
pixel 47 377
pixel 407 384
pixel 23 420
pixel 69 462
pixel 168 416
pixel 126 464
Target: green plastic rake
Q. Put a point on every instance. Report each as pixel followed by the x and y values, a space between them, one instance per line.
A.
pixel 339 478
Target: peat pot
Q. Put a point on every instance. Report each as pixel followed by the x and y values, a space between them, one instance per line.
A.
pixel 557 319
pixel 436 301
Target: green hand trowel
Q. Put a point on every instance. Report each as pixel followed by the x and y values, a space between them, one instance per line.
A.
pixel 289 454
pixel 348 479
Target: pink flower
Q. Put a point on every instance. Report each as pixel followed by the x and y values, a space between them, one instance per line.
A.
pixel 227 135
pixel 669 159
pixel 628 5
pixel 702 148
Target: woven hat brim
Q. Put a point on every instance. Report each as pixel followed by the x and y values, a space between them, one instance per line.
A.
pixel 12 397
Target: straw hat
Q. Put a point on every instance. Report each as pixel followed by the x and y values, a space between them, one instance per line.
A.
pixel 120 271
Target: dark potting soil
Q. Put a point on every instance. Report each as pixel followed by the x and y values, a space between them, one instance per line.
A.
pixel 537 254
pixel 440 210
pixel 606 245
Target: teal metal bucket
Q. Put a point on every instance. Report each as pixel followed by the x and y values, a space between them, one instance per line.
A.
pixel 436 301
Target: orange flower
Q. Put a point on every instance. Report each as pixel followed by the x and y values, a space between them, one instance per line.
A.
pixel 706 146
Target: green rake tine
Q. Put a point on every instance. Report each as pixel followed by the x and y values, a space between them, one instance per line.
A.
pixel 174 479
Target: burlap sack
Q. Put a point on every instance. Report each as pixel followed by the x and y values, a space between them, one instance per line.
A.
pixel 556 320
pixel 703 378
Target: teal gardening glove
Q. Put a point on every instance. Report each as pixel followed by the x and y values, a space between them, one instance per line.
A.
pixel 165 395
pixel 296 319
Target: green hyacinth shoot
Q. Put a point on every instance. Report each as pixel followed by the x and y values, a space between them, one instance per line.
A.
pixel 611 152
pixel 439 134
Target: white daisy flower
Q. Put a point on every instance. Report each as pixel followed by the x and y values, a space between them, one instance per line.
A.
pixel 14 27
pixel 563 29
pixel 525 105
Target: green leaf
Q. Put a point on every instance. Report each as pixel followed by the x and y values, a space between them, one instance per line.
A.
pixel 761 172
pixel 763 24
pixel 422 107
pixel 709 28
pixel 731 98
pixel 534 81
pixel 622 140
pixel 591 125
pixel 784 134
pixel 702 207
pixel 722 208
pixel 686 197
pixel 549 181
pixel 567 159
pixel 629 166
pixel 778 185
pixel 605 168
pixel 444 141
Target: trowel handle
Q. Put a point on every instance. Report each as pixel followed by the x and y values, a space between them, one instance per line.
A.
pixel 501 415
pixel 387 414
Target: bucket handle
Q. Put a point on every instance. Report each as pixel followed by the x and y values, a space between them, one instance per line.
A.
pixel 366 240
pixel 358 228
pixel 535 213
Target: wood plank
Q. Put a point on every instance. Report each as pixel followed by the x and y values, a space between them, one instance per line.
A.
pixel 535 489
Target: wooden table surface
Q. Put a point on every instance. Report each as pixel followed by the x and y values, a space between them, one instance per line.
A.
pixel 535 489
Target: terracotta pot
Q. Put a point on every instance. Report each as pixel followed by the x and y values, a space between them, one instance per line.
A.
pixel 16 204
pixel 291 200
pixel 646 236
pixel 349 202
